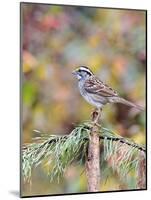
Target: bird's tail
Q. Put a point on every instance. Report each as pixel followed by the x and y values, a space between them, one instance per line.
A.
pixel 128 103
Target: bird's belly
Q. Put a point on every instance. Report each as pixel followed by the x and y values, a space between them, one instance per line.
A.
pixel 94 100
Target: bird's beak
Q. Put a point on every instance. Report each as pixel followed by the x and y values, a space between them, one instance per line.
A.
pixel 74 73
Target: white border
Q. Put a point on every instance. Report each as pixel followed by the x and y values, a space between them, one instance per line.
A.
pixel 9 101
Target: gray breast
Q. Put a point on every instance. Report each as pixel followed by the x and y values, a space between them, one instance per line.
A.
pixel 95 100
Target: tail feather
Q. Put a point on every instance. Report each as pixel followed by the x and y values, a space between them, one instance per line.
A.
pixel 128 103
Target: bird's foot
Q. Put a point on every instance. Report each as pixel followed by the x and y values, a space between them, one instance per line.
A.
pixel 94 114
pixel 96 124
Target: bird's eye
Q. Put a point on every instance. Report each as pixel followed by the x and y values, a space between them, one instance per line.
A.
pixel 79 70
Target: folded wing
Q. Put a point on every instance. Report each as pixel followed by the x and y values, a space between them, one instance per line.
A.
pixel 96 86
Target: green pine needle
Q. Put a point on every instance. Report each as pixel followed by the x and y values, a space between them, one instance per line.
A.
pixel 59 152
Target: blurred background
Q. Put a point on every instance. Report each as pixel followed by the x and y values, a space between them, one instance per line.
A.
pixel 57 39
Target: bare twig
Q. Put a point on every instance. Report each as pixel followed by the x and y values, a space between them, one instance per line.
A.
pixel 141 179
pixel 93 158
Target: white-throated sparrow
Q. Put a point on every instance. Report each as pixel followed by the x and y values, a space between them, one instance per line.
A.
pixel 96 92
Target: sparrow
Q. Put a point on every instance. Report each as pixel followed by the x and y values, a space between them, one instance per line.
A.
pixel 96 92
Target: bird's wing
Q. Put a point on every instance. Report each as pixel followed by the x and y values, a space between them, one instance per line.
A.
pixel 95 86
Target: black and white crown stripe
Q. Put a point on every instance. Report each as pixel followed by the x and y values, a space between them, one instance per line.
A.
pixel 83 68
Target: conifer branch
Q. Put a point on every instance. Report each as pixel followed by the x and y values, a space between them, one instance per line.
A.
pixel 58 152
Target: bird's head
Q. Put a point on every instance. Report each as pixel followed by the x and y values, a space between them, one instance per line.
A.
pixel 82 73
